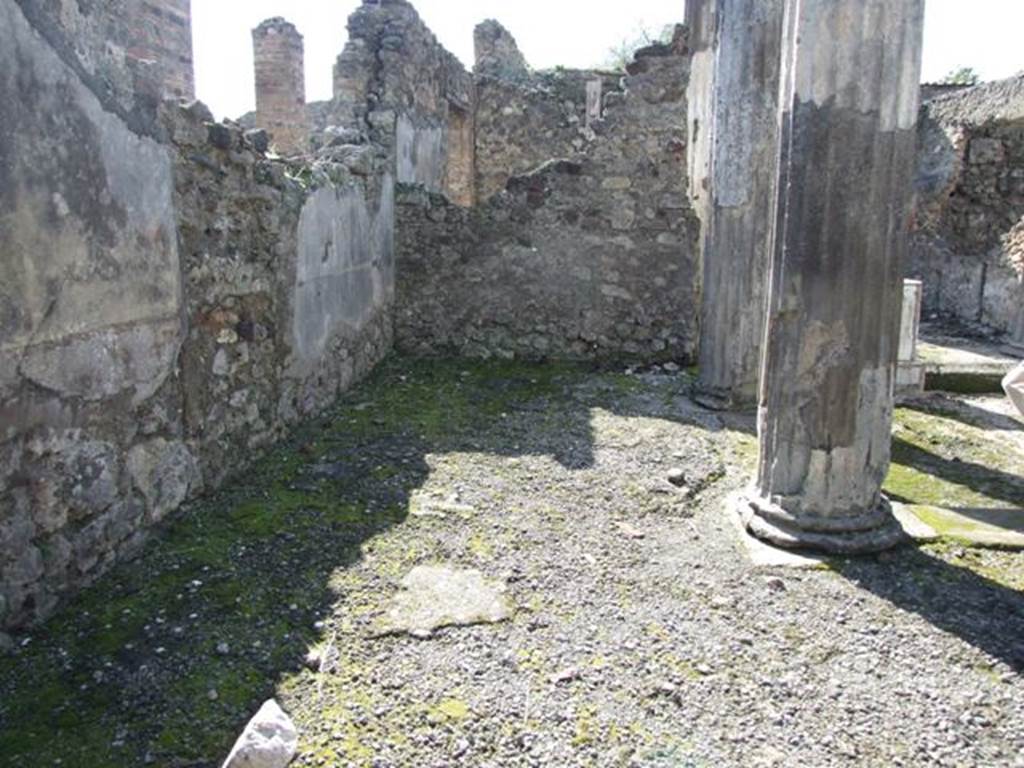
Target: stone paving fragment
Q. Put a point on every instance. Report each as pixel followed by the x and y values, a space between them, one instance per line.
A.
pixel 434 597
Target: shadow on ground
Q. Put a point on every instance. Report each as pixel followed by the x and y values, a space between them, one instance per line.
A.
pixel 164 659
pixel 966 413
pixel 988 481
pixel 953 598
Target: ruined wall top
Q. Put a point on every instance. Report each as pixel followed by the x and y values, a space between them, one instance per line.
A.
pixel 161 34
pixel 1000 101
pixel 277 26
pixel 497 54
pixel 393 60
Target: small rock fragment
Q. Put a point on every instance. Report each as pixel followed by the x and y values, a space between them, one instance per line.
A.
pixel 565 676
pixel 258 139
pixel 677 477
pixel 268 741
pixel 630 531
pixel 313 660
pixel 665 688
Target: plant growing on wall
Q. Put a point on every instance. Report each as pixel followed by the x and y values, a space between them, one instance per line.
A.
pixel 621 54
pixel 962 76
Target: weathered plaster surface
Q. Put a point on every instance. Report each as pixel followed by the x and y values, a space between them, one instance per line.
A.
pixel 167 308
pixel 345 269
pixel 835 294
pixel 733 122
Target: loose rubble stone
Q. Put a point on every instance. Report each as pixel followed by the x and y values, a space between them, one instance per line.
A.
pixel 270 740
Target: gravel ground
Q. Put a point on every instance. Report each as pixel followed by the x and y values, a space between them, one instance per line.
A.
pixel 642 635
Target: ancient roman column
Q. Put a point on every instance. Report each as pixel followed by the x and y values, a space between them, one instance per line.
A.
pixel 848 109
pixel 734 112
pixel 281 85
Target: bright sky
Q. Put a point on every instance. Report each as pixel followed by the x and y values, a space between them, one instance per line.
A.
pixel 573 33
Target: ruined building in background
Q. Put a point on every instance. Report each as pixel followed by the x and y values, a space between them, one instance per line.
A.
pixel 968 245
pixel 175 294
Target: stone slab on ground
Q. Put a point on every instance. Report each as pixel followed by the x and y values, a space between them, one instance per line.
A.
pixel 952 363
pixel 914 526
pixel 434 597
pixel 1003 528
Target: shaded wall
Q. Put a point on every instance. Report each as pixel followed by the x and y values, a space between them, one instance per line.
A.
pixel 171 300
pixel 90 317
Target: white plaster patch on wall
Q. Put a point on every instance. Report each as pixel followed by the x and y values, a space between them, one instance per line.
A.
pixel 420 154
pixel 339 279
pixel 92 268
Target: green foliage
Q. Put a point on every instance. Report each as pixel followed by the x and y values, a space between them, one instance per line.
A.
pixel 962 76
pixel 621 54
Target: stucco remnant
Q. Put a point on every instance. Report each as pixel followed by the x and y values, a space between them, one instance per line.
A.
pixel 835 292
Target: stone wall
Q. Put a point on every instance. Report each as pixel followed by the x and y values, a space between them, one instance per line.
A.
pixel 496 53
pixel 90 316
pixel 171 299
pixel 288 283
pixel 521 125
pixel 968 246
pixel 592 257
pixel 97 41
pixel 279 59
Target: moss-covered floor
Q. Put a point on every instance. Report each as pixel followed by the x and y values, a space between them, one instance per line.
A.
pixel 527 473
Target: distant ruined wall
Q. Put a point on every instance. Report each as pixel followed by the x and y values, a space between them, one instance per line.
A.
pixel 395 79
pixel 968 246
pixel 591 257
pixel 171 300
pixel 520 125
pixel 496 53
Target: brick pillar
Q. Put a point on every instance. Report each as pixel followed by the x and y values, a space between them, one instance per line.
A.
pixel 281 85
pixel 162 34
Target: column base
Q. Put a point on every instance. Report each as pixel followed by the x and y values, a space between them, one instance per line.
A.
pixel 873 532
pixel 715 399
